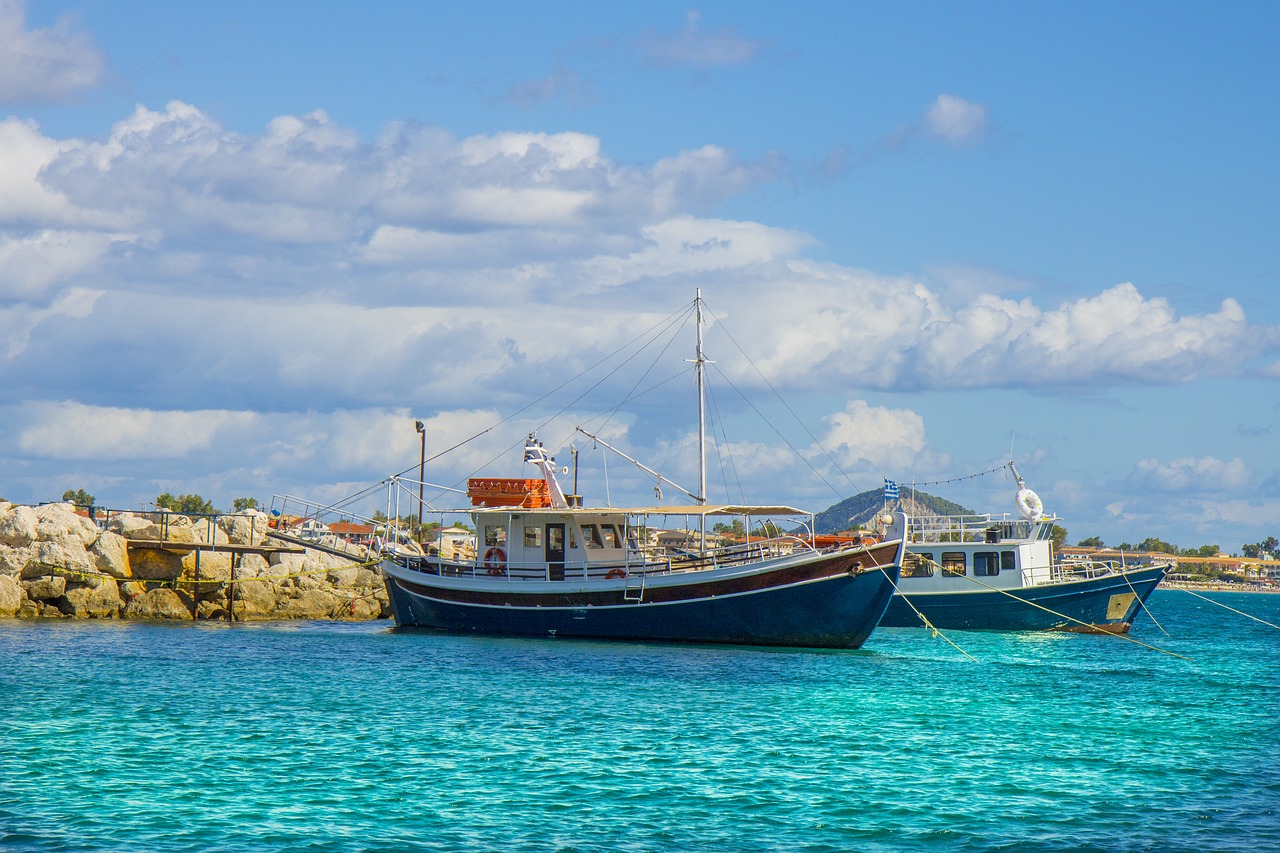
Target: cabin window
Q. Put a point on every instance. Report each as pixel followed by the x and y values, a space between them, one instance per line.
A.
pixel 986 563
pixel 533 537
pixel 918 565
pixel 610 534
pixel 1008 561
pixel 953 563
pixel 495 535
pixel 591 535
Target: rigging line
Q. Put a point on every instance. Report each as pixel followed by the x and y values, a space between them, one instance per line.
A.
pixel 629 395
pixel 728 451
pixel 669 320
pixel 776 432
pixel 933 629
pixel 965 477
pixel 717 421
pixel 785 405
pixel 1145 609
pixel 1225 607
pixel 1124 637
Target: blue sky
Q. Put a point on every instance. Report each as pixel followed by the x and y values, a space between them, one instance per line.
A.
pixel 244 245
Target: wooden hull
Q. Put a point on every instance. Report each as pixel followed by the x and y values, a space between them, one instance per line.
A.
pixel 812 600
pixel 1102 604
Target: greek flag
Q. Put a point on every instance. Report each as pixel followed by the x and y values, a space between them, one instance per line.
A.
pixel 890 490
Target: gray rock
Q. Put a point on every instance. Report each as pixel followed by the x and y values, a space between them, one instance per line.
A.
pixel 18 527
pixel 160 603
pixel 46 588
pixel 110 555
pixel 102 602
pixel 10 597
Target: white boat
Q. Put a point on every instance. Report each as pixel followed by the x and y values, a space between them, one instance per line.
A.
pixel 1001 573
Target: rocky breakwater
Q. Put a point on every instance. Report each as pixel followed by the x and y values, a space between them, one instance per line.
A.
pixel 55 563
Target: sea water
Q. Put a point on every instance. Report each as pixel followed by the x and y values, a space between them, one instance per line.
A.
pixel 355 737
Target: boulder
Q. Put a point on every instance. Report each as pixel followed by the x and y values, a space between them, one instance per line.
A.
pixel 155 565
pixel 29 610
pixel 253 566
pixel 18 527
pixel 254 600
pixel 10 597
pixel 178 528
pixel 215 566
pixel 132 526
pixel 160 603
pixel 67 554
pixel 245 528
pixel 130 590
pixel 311 604
pixel 14 561
pixel 59 523
pixel 46 588
pixel 85 602
pixel 111 555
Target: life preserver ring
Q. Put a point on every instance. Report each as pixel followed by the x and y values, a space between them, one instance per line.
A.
pixel 1029 505
pixel 495 560
pixel 615 573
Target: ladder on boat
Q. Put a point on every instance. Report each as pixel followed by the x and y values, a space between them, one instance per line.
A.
pixel 634 592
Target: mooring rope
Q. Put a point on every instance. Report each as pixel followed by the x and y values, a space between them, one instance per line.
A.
pixel 1080 622
pixel 933 630
pixel 1225 607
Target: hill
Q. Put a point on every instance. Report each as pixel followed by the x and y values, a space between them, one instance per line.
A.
pixel 862 508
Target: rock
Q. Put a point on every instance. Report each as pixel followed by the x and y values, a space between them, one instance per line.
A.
pixel 14 561
pixel 10 597
pixel 46 588
pixel 59 522
pixel 344 578
pixel 29 610
pixel 287 564
pixel 89 603
pixel 18 527
pixel 214 566
pixel 67 554
pixel 253 566
pixel 148 564
pixel 130 590
pixel 160 603
pixel 132 526
pixel 245 528
pixel 212 610
pixel 178 528
pixel 111 555
pixel 311 604
pixel 254 600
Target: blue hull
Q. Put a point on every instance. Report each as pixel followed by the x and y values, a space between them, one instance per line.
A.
pixel 837 611
pixel 1102 604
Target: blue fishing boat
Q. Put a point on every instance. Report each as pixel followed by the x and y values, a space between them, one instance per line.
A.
pixel 1000 573
pixel 546 565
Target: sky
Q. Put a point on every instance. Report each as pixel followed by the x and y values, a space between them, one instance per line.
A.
pixel 244 246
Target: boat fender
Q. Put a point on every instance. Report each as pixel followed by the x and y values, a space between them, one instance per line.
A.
pixel 495 560
pixel 1029 504
pixel 614 573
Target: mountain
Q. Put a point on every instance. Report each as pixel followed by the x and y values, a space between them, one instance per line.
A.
pixel 862 508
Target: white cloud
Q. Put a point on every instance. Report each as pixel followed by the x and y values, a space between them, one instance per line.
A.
pixel 955 119
pixel 886 440
pixel 19 322
pixel 44 65
pixel 1202 474
pixel 71 430
pixel 694 46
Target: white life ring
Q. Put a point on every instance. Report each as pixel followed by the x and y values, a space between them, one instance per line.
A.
pixel 1029 504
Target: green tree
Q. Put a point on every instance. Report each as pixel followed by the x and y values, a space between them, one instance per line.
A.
pixel 79 497
pixel 1058 535
pixel 1091 542
pixel 241 504
pixel 1151 543
pixel 737 528
pixel 1270 545
pixel 191 504
pixel 1251 550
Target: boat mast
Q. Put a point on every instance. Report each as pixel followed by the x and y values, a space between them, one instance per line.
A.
pixel 702 408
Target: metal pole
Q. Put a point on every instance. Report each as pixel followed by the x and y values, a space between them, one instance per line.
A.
pixel 422 465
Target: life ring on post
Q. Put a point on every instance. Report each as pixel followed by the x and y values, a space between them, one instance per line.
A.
pixel 1029 505
pixel 495 560
pixel 615 573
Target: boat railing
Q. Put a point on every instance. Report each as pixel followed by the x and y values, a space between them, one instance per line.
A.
pixel 967 528
pixel 1068 570
pixel 670 563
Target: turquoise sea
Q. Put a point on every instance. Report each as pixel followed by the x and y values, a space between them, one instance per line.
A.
pixel 354 737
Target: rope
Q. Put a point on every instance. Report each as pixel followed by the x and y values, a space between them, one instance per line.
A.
pixel 1225 607
pixel 1142 603
pixel 1082 623
pixel 933 630
pixel 958 479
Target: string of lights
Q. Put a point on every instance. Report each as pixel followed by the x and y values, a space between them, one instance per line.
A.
pixel 958 479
